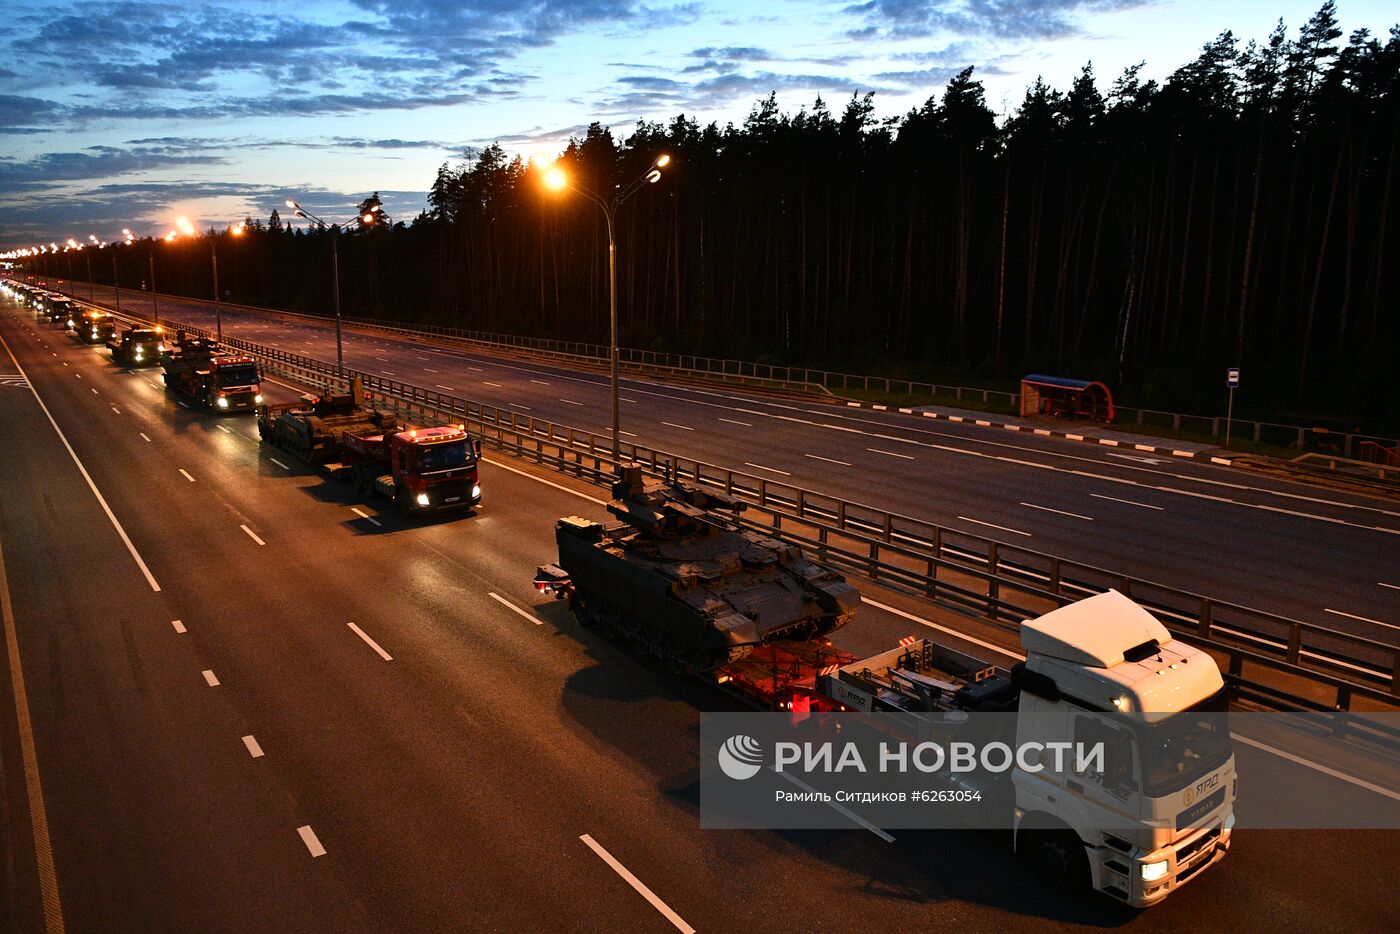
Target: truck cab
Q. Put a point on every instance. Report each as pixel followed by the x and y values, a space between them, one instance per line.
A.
pixel 1159 807
pixel 96 327
pixel 422 469
pixel 59 310
pixel 137 347
pixel 233 384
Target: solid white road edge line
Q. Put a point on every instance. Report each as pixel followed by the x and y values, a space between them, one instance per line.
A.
pixel 121 532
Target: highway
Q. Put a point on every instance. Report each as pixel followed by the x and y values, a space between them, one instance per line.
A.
pixel 1267 543
pixel 261 703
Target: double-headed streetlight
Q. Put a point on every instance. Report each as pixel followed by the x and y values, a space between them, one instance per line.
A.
pixel 557 180
pixel 372 216
pixel 237 231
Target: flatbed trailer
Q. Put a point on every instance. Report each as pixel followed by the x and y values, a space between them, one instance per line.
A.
pixel 420 470
pixel 1134 836
pixel 211 377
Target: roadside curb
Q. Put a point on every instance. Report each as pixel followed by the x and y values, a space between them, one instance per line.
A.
pixel 1205 456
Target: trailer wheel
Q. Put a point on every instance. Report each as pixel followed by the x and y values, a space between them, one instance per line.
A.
pixel 401 498
pixel 1058 856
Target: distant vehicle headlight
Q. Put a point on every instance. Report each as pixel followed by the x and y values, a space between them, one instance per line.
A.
pixel 257 400
pixel 138 355
pixel 1151 872
pixel 222 402
pixel 476 491
pixel 422 499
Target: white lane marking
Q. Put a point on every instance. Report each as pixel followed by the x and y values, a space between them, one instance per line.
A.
pixel 117 410
pixel 517 405
pixel 734 422
pixel 761 467
pixel 511 606
pixel 496 385
pixel 557 486
pixel 370 642
pixel 540 381
pixel 254 749
pixel 79 375
pixel 186 474
pixel 94 391
pixel 428 369
pixel 143 436
pixel 907 457
pixel 1072 515
pixel 839 808
pixel 991 526
pixel 382 359
pixel 111 516
pixel 209 678
pixel 34 788
pixel 570 402
pixel 224 428
pixel 818 457
pixel 1391 586
pixel 1130 457
pixel 1316 767
pixel 638 885
pixel 681 427
pixel 63 364
pixel 279 463
pixel 179 626
pixel 854 431
pixel 441 386
pixel 476 368
pixel 365 515
pixel 253 535
pixel 389 373
pixel 1364 619
pixel 625 399
pixel 308 836
pixel 1127 501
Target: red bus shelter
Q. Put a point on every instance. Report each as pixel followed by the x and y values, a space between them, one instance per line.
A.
pixel 1062 397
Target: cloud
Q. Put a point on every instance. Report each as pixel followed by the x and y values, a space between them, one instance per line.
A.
pixel 993 19
pixel 650 94
pixel 46 169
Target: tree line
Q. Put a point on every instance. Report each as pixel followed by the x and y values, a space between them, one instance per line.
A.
pixel 1146 233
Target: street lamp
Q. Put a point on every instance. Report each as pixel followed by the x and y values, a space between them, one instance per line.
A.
pixel 188 229
pixel 556 179
pixel 367 217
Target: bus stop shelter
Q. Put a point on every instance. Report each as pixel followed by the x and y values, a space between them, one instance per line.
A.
pixel 1063 397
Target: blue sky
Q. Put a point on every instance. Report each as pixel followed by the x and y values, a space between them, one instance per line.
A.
pixel 129 113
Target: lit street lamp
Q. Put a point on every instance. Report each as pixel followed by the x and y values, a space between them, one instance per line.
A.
pixel 369 217
pixel 556 180
pixel 188 230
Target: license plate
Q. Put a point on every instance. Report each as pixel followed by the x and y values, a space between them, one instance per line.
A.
pixel 452 499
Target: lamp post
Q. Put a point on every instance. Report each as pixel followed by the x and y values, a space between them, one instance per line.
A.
pixel 369 217
pixel 188 230
pixel 556 180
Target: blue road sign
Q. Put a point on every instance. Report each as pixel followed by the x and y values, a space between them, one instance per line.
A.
pixel 1232 378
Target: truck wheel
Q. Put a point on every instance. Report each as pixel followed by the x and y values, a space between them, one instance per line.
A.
pixel 401 498
pixel 1058 856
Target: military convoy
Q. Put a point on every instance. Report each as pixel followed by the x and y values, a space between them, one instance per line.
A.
pixel 210 376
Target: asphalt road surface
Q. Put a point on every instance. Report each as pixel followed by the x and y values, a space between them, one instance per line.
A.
pixel 329 718
pixel 1312 554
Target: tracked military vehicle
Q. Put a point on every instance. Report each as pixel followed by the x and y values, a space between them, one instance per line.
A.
pixel 686 582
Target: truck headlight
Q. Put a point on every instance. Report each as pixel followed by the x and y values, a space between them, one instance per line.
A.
pixel 1151 872
pixel 476 491
pixel 222 402
pixel 422 499
pixel 138 355
pixel 257 400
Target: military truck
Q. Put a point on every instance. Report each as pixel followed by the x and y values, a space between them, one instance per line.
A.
pixel 95 327
pixel 137 346
pixel 210 376
pixel 421 469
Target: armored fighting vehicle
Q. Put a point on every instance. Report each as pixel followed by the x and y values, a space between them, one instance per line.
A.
pixel 311 428
pixel 686 582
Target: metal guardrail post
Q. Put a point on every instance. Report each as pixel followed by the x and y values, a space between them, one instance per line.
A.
pixel 1203 624
pixel 993 583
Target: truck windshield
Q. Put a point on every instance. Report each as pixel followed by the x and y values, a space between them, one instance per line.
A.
pixel 1185 746
pixel 444 456
pixel 242 375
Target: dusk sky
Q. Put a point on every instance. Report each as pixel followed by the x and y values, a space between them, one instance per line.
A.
pixel 127 114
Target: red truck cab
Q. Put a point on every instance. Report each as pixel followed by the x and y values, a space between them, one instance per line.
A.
pixel 421 470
